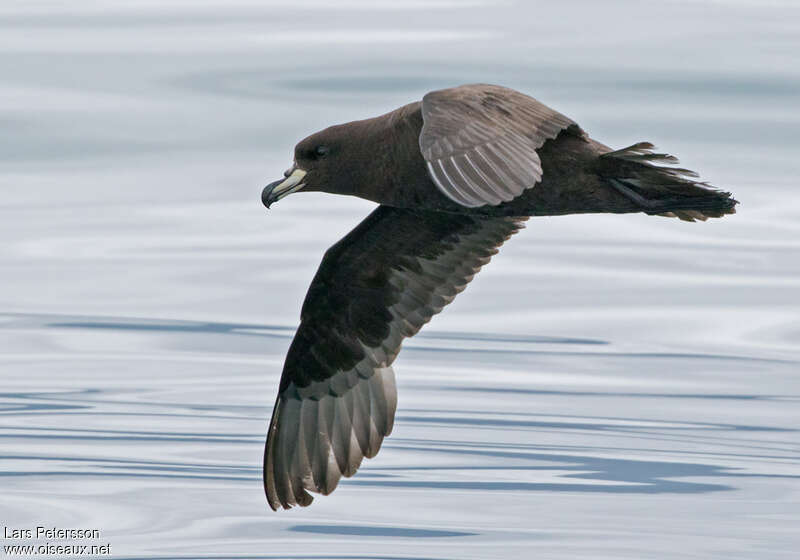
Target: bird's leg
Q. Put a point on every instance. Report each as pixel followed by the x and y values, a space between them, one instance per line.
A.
pixel 624 189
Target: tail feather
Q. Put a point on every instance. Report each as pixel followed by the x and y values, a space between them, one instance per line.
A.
pixel 640 174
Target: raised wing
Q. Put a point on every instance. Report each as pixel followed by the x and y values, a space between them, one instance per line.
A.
pixel 480 141
pixel 376 286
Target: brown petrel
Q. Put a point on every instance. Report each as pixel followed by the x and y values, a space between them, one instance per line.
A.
pixel 455 175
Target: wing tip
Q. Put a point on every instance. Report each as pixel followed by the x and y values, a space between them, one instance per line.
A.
pixel 338 450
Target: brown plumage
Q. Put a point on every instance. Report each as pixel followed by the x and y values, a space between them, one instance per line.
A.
pixel 455 175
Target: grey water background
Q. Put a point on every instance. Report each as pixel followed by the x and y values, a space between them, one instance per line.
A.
pixel 608 387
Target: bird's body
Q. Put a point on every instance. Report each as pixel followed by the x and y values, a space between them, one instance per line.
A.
pixel 455 175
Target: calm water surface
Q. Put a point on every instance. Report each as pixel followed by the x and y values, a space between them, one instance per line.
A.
pixel 609 387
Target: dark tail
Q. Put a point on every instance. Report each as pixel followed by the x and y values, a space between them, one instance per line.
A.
pixel 643 177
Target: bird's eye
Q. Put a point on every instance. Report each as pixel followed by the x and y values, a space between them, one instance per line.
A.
pixel 321 151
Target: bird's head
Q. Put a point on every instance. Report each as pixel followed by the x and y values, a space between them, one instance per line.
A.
pixel 325 161
pixel 376 159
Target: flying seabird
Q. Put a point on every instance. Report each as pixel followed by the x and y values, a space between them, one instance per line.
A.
pixel 455 175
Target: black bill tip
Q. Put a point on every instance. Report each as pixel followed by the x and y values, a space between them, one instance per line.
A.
pixel 267 198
